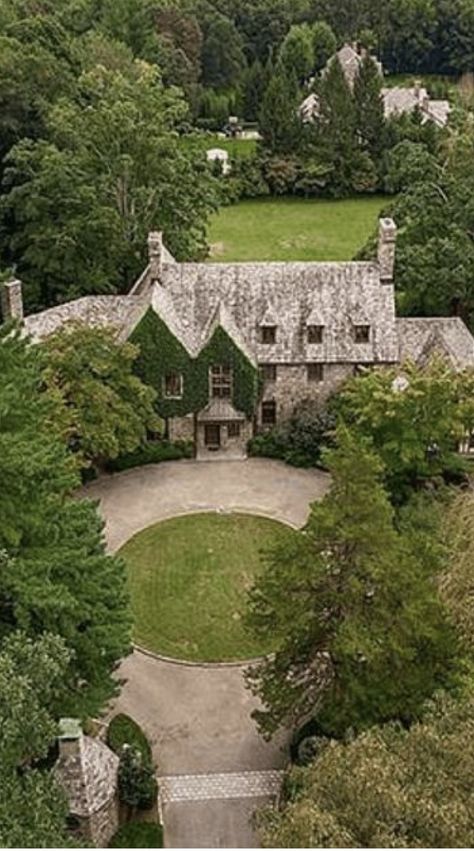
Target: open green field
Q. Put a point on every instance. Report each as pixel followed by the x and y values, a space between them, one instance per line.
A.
pixel 293 229
pixel 189 579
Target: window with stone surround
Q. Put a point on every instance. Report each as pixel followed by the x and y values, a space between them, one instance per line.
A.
pixel 221 382
pixel 233 430
pixel 269 413
pixel 315 372
pixel 362 333
pixel 173 386
pixel 268 372
pixel 268 334
pixel 315 334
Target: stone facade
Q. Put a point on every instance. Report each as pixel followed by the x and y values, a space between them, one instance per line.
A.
pixel 304 327
pixel 87 770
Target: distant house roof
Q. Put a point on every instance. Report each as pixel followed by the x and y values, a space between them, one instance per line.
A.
pixel 397 100
pixel 400 100
pixel 351 57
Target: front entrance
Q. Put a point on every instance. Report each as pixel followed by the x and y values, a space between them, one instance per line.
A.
pixel 212 436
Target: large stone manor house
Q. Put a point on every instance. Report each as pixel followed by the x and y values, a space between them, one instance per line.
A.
pixel 234 348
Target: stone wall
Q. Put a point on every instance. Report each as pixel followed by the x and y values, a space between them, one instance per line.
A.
pixel 99 828
pixel 181 428
pixel 292 387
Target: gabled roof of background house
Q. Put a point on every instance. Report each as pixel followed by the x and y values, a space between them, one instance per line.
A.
pixel 400 100
pixel 422 337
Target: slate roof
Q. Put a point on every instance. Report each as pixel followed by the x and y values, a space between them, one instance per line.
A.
pixel 220 410
pixel 420 338
pixel 291 294
pixel 400 100
pixel 88 775
pixel 120 312
pixel 350 59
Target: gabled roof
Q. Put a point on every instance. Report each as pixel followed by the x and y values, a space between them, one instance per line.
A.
pixel 401 99
pixel 220 410
pixel 220 317
pixel 102 311
pixel 162 305
pixel 421 338
pixel 238 295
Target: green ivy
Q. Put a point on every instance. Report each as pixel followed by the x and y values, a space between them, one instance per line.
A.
pixel 161 353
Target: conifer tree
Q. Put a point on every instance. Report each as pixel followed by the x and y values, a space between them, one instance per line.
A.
pixel 280 126
pixel 54 573
pixel 369 107
pixel 336 129
pixel 361 634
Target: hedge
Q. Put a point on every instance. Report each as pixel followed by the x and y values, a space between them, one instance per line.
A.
pixel 151 453
pixel 123 730
pixel 138 834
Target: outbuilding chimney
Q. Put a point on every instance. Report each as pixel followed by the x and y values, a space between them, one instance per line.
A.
pixel 155 253
pixel 70 737
pixel 386 249
pixel 12 300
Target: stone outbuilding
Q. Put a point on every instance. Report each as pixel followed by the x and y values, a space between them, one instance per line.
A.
pixel 87 770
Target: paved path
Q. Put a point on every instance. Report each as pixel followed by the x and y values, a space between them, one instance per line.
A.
pixel 198 719
pixel 216 787
pixel 133 500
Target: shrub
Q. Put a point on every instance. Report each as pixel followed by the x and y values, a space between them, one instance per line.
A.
pixel 299 441
pixel 137 784
pixel 151 453
pixel 123 730
pixel 138 834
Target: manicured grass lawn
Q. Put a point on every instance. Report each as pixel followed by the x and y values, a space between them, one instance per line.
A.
pixel 189 578
pixel 293 229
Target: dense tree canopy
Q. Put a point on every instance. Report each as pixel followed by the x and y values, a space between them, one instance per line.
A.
pixel 32 808
pixel 390 788
pixel 55 575
pixel 108 410
pixel 362 636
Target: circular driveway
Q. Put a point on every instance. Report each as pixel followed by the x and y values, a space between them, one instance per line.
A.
pixel 133 500
pixel 198 718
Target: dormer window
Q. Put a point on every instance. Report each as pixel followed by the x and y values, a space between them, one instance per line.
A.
pixel 221 382
pixel 362 333
pixel 315 334
pixel 268 334
pixel 173 386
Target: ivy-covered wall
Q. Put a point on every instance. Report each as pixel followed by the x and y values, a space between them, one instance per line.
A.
pixel 161 353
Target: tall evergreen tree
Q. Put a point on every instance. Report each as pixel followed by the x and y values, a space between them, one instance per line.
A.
pixel 54 573
pixel 369 107
pixel 280 126
pixel 361 634
pixel 336 128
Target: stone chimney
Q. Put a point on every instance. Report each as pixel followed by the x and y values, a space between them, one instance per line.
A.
pixel 155 253
pixel 386 249
pixel 12 300
pixel 70 737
